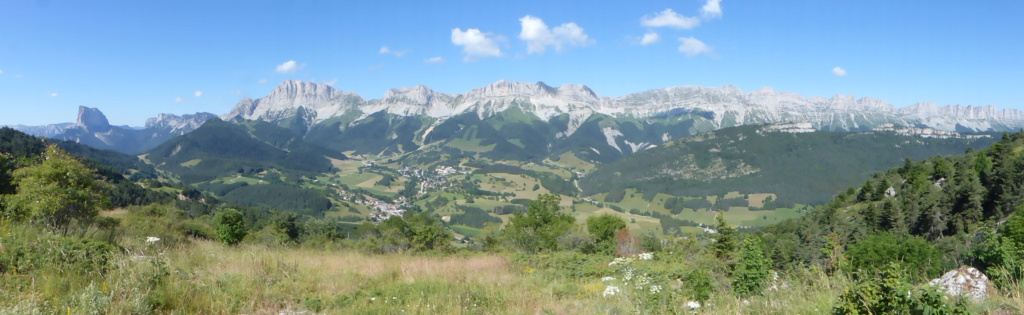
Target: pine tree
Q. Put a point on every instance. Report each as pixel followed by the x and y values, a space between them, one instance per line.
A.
pixel 752 269
pixel 866 192
pixel 725 240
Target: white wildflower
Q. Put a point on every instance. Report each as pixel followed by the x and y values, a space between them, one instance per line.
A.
pixel 655 289
pixel 610 291
pixel 645 256
pixel 373 299
pixel 152 239
pixel 693 304
pixel 606 279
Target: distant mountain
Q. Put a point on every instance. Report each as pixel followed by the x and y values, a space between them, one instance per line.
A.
pixel 723 107
pixel 529 120
pixel 221 149
pixel 794 161
pixel 45 130
pixel 93 129
pixel 518 120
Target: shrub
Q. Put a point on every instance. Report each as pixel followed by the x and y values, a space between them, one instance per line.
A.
pixel 603 227
pixel 230 226
pixel 876 251
pixel 887 293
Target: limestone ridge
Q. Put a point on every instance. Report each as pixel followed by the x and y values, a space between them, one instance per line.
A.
pixel 178 125
pixel 722 106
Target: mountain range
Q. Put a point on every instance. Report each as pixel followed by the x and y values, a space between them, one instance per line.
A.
pixel 723 106
pixel 92 128
pixel 530 120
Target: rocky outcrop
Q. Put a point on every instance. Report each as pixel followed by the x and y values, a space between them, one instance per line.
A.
pixel 964 281
pixel 92 120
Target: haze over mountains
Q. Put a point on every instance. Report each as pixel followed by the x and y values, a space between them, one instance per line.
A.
pixel 611 126
pixel 92 128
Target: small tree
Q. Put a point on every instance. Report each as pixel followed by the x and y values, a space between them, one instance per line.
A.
pixel 58 192
pixel 751 269
pixel 230 226
pixel 603 228
pixel 725 239
pixel 626 244
pixel 540 226
pixel 6 184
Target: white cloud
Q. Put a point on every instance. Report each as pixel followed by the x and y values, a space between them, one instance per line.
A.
pixel 261 81
pixel 692 46
pixel 839 71
pixel 385 50
pixel 178 100
pixel 475 44
pixel 289 66
pixel 649 38
pixel 331 82
pixel 54 94
pixel 434 60
pixel 1 72
pixel 669 18
pixel 198 93
pixel 538 36
pixel 711 9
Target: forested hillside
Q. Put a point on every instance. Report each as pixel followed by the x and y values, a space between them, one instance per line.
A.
pixel 954 202
pixel 800 168
pixel 220 149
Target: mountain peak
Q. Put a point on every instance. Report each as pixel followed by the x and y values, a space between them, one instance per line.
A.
pixel 92 119
pixel 296 88
pixel 179 124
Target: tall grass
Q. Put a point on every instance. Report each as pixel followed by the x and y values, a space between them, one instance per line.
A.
pixel 196 276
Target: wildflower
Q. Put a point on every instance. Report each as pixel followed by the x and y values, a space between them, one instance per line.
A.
pixel 693 304
pixel 152 239
pixel 373 299
pixel 645 256
pixel 655 289
pixel 606 279
pixel 610 291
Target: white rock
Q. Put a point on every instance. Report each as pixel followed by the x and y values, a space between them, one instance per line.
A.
pixel 964 281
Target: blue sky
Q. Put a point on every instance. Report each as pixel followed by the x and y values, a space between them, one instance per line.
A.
pixel 134 59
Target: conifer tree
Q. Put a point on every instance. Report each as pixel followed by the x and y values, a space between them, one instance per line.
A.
pixel 752 269
pixel 725 240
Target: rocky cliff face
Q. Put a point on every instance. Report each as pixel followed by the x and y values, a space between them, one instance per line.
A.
pixel 320 102
pixel 178 125
pixel 91 119
pixel 722 106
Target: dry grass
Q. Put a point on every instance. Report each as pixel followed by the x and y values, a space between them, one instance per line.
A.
pixel 210 278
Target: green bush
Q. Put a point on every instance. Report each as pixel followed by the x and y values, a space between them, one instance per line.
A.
pixel 887 293
pixel 230 226
pixel 603 228
pixel 30 250
pixel 914 252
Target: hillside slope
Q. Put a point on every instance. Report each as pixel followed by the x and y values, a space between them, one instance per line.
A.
pixel 805 168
